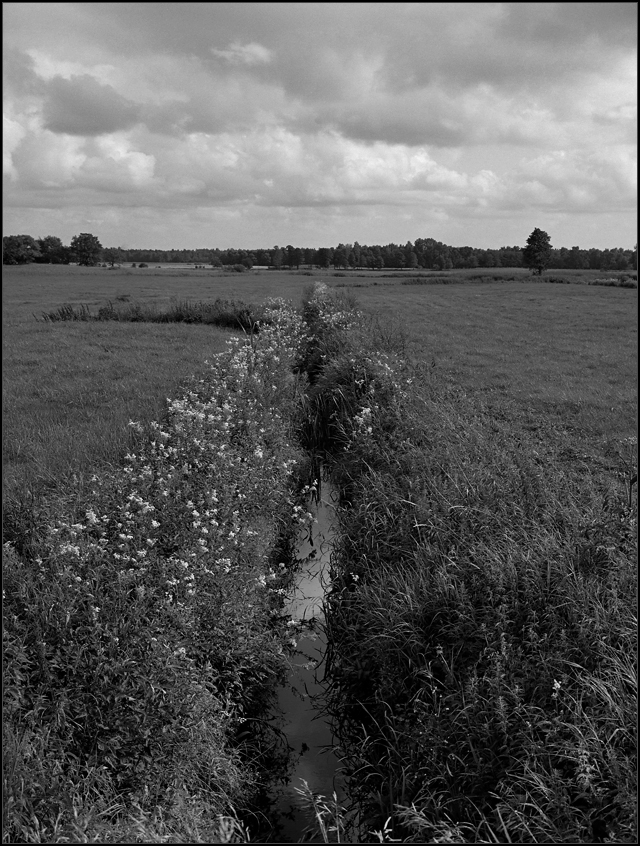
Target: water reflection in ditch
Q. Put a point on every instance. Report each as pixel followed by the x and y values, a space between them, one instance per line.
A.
pixel 307 729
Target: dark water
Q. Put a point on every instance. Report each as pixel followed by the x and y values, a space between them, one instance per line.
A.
pixel 307 730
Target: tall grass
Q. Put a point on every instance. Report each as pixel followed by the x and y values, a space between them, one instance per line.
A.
pixel 482 618
pixel 228 314
pixel 143 636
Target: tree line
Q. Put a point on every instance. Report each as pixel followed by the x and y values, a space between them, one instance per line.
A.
pixel 424 253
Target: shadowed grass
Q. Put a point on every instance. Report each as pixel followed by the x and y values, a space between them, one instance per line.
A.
pixel 223 313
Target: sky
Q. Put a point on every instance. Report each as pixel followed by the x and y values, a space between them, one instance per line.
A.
pixel 250 125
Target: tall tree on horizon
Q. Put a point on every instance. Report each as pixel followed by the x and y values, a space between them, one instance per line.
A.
pixel 537 254
pixel 87 249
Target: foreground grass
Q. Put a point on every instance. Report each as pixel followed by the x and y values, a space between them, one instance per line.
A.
pixel 143 638
pixel 482 620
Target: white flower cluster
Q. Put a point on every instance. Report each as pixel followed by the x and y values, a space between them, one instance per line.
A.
pixel 197 502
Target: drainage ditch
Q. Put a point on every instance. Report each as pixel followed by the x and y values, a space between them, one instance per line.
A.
pixel 306 725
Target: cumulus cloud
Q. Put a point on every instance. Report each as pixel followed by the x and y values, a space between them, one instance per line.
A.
pixel 83 106
pixel 412 113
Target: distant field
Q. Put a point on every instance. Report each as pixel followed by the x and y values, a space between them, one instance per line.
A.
pixel 565 350
pixel 567 353
pixel 70 389
pixel 33 289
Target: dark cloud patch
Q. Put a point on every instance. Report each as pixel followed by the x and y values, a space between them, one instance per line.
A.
pixel 571 25
pixel 83 106
pixel 18 73
pixel 413 129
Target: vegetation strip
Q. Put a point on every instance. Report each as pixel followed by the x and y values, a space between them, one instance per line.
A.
pixel 482 621
pixel 225 313
pixel 143 638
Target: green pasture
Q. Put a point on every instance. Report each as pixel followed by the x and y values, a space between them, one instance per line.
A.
pixel 568 352
pixel 545 354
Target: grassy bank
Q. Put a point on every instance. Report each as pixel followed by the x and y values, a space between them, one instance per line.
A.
pixel 143 638
pixel 482 620
pixel 481 625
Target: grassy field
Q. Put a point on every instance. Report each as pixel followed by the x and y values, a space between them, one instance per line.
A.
pixel 143 638
pixel 482 618
pixel 482 439
pixel 565 354
pixel 69 390
pixel 568 351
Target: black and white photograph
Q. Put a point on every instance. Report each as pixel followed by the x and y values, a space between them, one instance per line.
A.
pixel 320 393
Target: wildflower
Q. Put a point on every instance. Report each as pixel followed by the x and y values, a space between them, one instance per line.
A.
pixel 556 689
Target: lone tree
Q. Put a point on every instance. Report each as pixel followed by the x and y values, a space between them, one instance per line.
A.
pixel 87 249
pixel 537 254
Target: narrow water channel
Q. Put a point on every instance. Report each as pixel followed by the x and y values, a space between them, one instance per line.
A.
pixel 306 727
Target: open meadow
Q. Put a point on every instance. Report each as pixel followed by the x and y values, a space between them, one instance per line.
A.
pixel 545 353
pixel 480 616
pixel 70 389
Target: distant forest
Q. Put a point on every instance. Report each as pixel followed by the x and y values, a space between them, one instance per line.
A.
pixel 425 253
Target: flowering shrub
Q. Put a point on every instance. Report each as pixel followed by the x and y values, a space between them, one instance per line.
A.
pixel 147 631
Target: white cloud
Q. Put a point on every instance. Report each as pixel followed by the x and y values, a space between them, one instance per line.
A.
pixel 417 114
pixel 244 54
pixel 12 134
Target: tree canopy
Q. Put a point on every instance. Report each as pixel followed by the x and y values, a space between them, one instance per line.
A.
pixel 53 251
pixel 537 254
pixel 19 249
pixel 87 249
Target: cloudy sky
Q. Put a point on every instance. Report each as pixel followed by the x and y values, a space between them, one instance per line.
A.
pixel 183 125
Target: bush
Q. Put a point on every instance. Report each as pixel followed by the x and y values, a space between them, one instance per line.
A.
pixel 143 264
